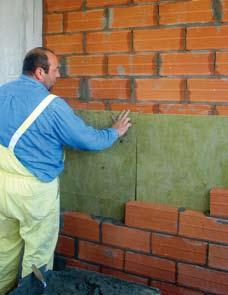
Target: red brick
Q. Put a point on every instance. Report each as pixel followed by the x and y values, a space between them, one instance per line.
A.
pixel 65 246
pixel 221 67
pixel 186 64
pixel 62 5
pixel 64 44
pixel 218 256
pixel 151 216
pixel 101 254
pixel 149 266
pixel 86 65
pixel 81 225
pixel 116 41
pixel 77 105
pixel 109 88
pixel 219 202
pixel 141 108
pixel 208 90
pixel 85 20
pixel 207 37
pixel 185 12
pixel 222 110
pixel 124 237
pixel 179 248
pixel 140 64
pixel 145 1
pixel 165 89
pixel 196 225
pixel 133 16
pixel 80 264
pixel 101 3
pixel 225 10
pixel 184 109
pixel 158 39
pixel 170 289
pixel 67 87
pixel 124 276
pixel 53 23
pixel 203 279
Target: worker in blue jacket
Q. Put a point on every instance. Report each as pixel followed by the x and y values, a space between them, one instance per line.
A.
pixel 34 127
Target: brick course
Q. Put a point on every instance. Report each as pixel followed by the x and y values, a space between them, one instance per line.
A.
pixel 98 3
pixel 204 279
pixel 64 44
pixel 62 5
pixel 81 225
pixel 85 21
pixel 67 87
pixel 149 249
pixel 150 266
pixel 151 216
pixel 218 256
pixel 158 41
pixel 101 254
pixel 118 41
pixel 86 65
pixel 159 89
pixel 219 202
pixel 153 40
pixel 186 64
pixel 65 246
pixel 109 88
pixel 221 63
pixel 179 248
pixel 138 64
pixel 207 37
pixel 198 11
pixel 125 237
pixel 197 225
pixel 135 16
pixel 53 23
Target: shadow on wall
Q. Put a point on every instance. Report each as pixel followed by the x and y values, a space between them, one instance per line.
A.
pixel 169 159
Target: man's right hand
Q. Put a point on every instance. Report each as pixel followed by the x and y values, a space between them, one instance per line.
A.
pixel 122 124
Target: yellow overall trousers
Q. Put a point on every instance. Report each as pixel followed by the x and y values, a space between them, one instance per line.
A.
pixel 29 213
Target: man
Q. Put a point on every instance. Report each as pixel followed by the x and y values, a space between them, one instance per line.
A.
pixel 35 125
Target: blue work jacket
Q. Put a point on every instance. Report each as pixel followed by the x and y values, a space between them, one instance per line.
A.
pixel 40 149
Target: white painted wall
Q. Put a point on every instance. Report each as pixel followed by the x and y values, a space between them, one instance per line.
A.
pixel 20 30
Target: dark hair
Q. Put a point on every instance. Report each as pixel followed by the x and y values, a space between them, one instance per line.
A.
pixel 37 57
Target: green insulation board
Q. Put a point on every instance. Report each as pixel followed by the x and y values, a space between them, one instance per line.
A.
pixel 169 159
pixel 100 183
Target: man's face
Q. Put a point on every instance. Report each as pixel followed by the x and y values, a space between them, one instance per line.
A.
pixel 53 73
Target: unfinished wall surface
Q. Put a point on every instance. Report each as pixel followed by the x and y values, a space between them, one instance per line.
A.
pixel 157 57
pixel 172 159
pixel 147 55
pixel 181 252
pixel 100 182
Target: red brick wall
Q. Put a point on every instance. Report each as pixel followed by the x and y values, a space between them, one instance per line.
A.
pixel 153 56
pixel 182 252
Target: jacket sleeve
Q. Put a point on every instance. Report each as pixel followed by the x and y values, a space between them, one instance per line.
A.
pixel 72 131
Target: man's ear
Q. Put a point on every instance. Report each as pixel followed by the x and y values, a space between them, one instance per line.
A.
pixel 39 74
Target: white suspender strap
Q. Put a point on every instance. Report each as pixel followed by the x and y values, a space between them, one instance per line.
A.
pixel 31 118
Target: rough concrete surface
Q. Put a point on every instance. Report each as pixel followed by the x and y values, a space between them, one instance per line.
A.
pixel 83 282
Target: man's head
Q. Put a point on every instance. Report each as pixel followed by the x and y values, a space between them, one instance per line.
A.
pixel 42 64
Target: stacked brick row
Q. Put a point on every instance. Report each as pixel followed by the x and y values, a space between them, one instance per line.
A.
pixel 146 55
pixel 182 252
